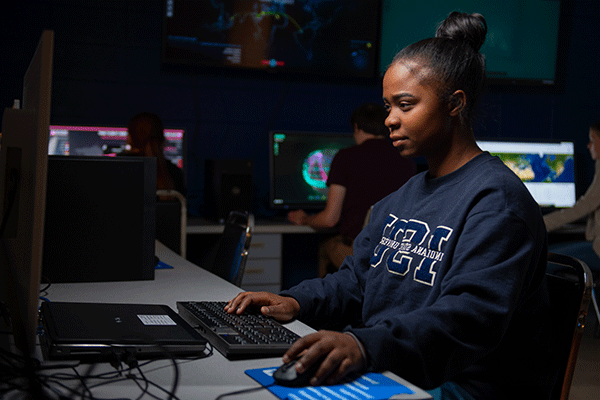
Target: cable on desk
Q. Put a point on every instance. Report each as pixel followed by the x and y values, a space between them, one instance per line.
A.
pixel 85 389
pixel 45 386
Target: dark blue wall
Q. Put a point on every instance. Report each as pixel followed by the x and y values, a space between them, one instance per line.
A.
pixel 107 68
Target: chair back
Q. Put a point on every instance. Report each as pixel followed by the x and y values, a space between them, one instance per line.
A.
pixel 570 288
pixel 229 256
pixel 171 220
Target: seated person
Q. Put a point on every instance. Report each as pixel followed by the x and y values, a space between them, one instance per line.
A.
pixel 588 206
pixel 446 284
pixel 146 137
pixel 359 177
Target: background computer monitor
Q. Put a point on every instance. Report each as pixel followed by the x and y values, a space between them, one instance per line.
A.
pixel 546 168
pixel 335 37
pixel 299 166
pixel 23 165
pixel 79 140
pixel 512 48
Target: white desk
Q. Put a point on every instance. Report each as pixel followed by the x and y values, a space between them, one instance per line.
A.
pixel 200 379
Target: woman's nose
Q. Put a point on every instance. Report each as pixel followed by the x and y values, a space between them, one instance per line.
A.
pixel 390 120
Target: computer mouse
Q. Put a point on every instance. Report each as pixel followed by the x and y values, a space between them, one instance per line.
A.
pixel 286 375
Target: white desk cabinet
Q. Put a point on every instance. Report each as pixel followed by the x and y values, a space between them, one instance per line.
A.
pixel 263 267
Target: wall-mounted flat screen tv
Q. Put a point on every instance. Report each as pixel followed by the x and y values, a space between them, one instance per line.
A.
pixel 521 46
pixel 326 37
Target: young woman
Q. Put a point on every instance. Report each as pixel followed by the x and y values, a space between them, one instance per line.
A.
pixel 445 285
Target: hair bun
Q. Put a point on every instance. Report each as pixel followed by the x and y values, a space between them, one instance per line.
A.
pixel 469 28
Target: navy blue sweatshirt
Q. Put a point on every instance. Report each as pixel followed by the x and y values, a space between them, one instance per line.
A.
pixel 447 284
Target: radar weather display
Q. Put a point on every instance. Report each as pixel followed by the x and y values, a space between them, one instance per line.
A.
pixel 300 165
pixel 315 169
pixel 318 36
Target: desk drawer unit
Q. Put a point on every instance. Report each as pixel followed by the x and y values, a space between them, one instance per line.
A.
pixel 263 267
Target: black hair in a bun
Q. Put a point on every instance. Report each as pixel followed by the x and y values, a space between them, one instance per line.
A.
pixel 452 60
pixel 470 28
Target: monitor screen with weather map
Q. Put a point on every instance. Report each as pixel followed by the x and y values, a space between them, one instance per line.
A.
pixel 546 168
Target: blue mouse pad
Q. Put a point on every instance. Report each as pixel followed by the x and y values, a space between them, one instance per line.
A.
pixel 370 386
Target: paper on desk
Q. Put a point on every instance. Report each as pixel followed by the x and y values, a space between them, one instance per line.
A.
pixel 371 386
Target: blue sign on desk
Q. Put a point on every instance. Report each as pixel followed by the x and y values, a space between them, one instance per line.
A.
pixel 370 386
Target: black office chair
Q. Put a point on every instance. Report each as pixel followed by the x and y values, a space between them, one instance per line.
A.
pixel 171 220
pixel 228 257
pixel 570 290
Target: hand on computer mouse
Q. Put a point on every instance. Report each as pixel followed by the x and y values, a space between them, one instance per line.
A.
pixel 287 374
pixel 330 356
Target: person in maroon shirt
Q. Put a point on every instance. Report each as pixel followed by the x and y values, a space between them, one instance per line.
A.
pixel 359 176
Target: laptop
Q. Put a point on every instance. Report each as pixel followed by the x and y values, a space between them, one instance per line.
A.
pixel 91 332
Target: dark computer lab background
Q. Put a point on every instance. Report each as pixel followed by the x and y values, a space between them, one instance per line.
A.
pixel 107 68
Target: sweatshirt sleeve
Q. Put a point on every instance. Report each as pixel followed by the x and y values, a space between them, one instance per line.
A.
pixel 336 300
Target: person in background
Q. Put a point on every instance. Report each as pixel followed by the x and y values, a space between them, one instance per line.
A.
pixel 359 176
pixel 446 284
pixel 146 137
pixel 587 206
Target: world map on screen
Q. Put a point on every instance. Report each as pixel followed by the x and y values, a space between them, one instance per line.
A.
pixel 540 167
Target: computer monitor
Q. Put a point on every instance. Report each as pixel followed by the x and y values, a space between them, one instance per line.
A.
pixel 23 166
pixel 79 140
pixel 546 168
pixel 334 37
pixel 299 167
pixel 512 49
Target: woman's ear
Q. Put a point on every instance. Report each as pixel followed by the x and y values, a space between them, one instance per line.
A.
pixel 457 103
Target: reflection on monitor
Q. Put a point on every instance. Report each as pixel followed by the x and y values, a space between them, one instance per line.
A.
pixel 334 37
pixel 107 141
pixel 546 168
pixel 299 166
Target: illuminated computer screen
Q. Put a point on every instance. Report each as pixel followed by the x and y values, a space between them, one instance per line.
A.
pixel 299 166
pixel 512 52
pixel 333 37
pixel 108 141
pixel 546 168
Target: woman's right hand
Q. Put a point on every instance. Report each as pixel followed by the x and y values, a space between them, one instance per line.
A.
pixel 272 305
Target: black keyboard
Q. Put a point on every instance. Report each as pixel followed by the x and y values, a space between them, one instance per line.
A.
pixel 249 335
